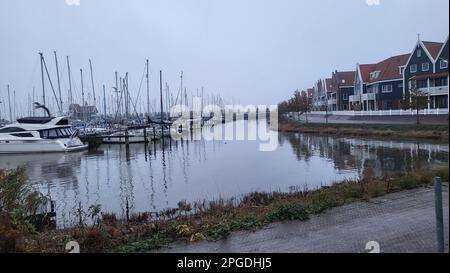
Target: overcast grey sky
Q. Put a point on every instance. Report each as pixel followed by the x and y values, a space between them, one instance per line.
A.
pixel 257 51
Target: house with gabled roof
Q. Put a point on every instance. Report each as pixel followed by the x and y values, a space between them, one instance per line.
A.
pixel 379 86
pixel 320 95
pixel 343 88
pixel 427 70
pixel 84 113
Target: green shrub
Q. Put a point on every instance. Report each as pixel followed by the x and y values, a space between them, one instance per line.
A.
pixel 286 212
pixel 219 231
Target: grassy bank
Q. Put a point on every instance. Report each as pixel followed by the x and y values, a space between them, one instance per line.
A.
pixel 200 220
pixel 392 131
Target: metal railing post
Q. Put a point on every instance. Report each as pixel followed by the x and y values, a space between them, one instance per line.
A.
pixel 439 214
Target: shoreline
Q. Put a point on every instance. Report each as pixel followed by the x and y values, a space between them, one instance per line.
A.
pixel 439 133
pixel 216 220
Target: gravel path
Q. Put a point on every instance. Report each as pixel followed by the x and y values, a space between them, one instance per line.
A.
pixel 399 222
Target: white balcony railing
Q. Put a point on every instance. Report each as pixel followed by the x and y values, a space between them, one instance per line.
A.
pixel 332 101
pixel 409 112
pixel 354 98
pixel 435 91
pixel 368 96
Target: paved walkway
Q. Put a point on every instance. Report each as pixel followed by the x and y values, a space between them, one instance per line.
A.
pixel 399 222
pixel 397 120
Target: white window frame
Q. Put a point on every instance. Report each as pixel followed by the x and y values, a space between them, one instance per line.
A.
pixel 428 66
pixel 383 88
pixel 344 96
pixel 443 64
pixel 411 70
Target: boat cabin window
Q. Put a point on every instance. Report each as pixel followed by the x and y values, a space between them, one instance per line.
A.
pixel 23 135
pixel 63 122
pixel 11 130
pixel 56 133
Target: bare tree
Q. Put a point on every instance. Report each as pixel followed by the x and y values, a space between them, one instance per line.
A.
pixel 305 104
pixel 417 99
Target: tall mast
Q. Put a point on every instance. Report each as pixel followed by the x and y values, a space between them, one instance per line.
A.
pixel 33 102
pixel 70 81
pixel 92 81
pixel 116 89
pixel 42 75
pixel 9 103
pixel 127 103
pixel 201 107
pixel 14 104
pixel 148 90
pixel 121 100
pixel 82 94
pixel 59 83
pixel 160 93
pixel 181 88
pixel 104 100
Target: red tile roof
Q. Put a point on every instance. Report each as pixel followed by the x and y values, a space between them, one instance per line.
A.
pixel 433 48
pixel 346 78
pixel 365 70
pixel 389 68
pixel 329 83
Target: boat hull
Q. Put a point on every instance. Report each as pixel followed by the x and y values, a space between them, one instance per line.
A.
pixel 11 146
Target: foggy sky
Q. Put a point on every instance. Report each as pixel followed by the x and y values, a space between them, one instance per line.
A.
pixel 255 51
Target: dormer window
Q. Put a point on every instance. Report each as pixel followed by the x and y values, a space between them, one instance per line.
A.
pixel 374 75
pixel 401 69
pixel 419 53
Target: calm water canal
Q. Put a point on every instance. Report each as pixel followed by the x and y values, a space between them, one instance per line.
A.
pixel 152 178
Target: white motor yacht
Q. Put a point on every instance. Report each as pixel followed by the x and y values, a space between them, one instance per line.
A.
pixel 39 135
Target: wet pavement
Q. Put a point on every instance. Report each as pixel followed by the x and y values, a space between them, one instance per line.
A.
pixel 399 222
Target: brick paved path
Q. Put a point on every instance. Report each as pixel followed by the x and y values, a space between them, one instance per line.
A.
pixel 399 222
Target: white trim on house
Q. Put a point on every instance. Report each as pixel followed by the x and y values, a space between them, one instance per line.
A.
pixel 421 44
pixel 442 49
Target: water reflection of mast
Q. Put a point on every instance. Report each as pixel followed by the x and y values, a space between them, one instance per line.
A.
pixel 163 161
pixel 152 186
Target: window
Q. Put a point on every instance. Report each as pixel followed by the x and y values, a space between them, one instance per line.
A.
pixel 56 133
pixel 401 69
pixel 413 68
pixel 422 84
pixel 419 53
pixel 11 130
pixel 425 66
pixel 52 134
pixel 440 82
pixel 345 97
pixel 23 135
pixel 374 75
pixel 386 88
pixel 443 64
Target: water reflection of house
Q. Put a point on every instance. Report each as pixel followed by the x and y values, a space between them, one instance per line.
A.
pixel 86 112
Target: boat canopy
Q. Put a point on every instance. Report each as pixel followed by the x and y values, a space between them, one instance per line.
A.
pixel 35 120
